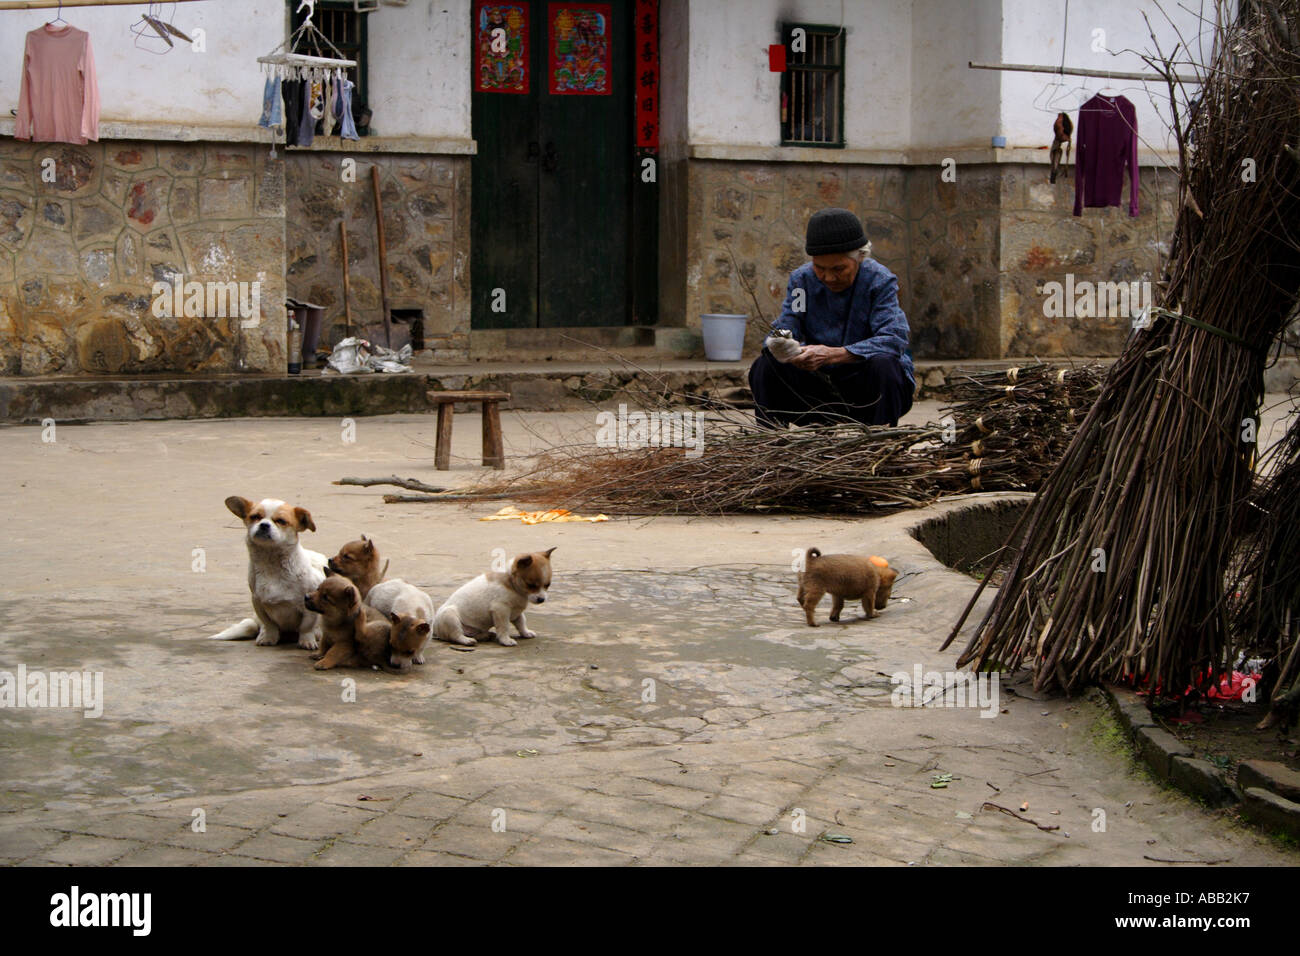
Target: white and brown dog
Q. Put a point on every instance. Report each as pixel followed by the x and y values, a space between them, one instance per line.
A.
pixel 489 604
pixel 280 572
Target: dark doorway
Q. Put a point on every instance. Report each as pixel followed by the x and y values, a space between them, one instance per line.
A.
pixel 554 176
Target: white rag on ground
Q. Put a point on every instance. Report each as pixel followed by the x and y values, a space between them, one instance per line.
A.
pixel 354 355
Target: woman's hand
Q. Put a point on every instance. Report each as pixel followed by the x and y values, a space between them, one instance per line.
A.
pixel 813 357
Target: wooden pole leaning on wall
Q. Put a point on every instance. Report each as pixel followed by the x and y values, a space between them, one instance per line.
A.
pixel 383 257
pixel 347 290
pixel 52 4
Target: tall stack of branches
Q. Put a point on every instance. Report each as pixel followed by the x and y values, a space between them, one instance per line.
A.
pixel 1265 585
pixel 1119 574
pixel 1003 435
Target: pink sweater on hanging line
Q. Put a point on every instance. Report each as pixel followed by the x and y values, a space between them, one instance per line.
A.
pixel 59 99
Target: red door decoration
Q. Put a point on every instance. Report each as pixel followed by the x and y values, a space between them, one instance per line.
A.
pixel 579 56
pixel 647 74
pixel 500 47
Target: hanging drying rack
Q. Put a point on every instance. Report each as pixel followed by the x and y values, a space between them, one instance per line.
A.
pixel 289 64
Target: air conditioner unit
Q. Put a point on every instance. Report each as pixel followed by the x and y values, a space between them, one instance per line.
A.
pixel 365 6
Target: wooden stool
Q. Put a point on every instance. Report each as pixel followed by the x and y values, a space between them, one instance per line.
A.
pixel 494 452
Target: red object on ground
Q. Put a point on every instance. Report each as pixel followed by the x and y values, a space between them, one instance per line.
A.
pixel 1231 688
pixel 776 58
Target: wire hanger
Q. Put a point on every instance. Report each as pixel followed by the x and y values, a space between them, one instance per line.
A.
pixel 59 18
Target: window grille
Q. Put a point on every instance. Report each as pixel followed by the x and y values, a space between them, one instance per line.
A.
pixel 812 87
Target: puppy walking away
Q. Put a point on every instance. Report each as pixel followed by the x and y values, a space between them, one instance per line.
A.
pixel 846 577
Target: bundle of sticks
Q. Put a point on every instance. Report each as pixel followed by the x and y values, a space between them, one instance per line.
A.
pixel 1121 568
pixel 1003 435
pixel 1264 586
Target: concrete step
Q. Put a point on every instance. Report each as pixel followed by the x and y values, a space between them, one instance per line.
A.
pixel 535 386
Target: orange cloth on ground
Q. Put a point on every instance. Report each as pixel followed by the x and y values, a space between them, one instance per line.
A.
pixel 510 513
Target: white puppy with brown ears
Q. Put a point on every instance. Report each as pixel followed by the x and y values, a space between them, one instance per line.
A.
pixel 280 573
pixel 489 604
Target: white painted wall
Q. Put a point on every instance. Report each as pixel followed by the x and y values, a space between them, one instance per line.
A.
pixel 419 64
pixel 951 104
pixel 1033 31
pixel 421 69
pixel 735 100
pixel 221 87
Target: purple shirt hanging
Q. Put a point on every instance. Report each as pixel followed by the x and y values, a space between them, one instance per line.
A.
pixel 1106 145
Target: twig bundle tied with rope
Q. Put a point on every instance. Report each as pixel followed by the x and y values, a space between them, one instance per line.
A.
pixel 1120 570
pixel 1003 436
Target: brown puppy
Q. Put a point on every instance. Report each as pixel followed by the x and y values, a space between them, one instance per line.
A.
pixel 359 562
pixel 345 631
pixel 406 641
pixel 846 577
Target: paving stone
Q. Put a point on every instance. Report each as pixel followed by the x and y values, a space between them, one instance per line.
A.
pixel 429 806
pixel 17 843
pixel 640 815
pixel 278 849
pixel 215 838
pixel 393 830
pixel 476 842
pixel 590 833
pixel 322 821
pixel 553 852
pixel 135 826
pixel 432 858
pixel 167 856
pixel 784 847
pixel 89 850
pixel 726 807
pixel 342 853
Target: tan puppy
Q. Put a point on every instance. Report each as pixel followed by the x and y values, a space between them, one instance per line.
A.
pixel 485 606
pixel 354 635
pixel 846 577
pixel 358 561
pixel 280 571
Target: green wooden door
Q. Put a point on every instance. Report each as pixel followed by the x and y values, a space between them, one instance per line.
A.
pixel 553 174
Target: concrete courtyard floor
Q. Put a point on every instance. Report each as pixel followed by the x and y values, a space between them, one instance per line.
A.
pixel 674 710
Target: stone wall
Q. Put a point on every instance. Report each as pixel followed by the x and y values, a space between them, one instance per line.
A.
pixel 79 256
pixel 971 256
pixel 426 202
pixel 1041 242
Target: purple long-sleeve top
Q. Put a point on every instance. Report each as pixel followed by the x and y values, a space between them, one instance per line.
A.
pixel 1107 144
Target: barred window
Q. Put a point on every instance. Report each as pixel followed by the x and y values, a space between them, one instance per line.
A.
pixel 345 27
pixel 812 86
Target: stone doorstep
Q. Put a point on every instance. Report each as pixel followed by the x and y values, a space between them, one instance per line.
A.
pixel 543 386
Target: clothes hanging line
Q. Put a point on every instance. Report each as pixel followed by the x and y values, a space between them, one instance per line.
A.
pixel 1079 71
pixel 51 4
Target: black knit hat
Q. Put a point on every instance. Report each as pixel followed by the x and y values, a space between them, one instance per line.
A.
pixel 834 230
